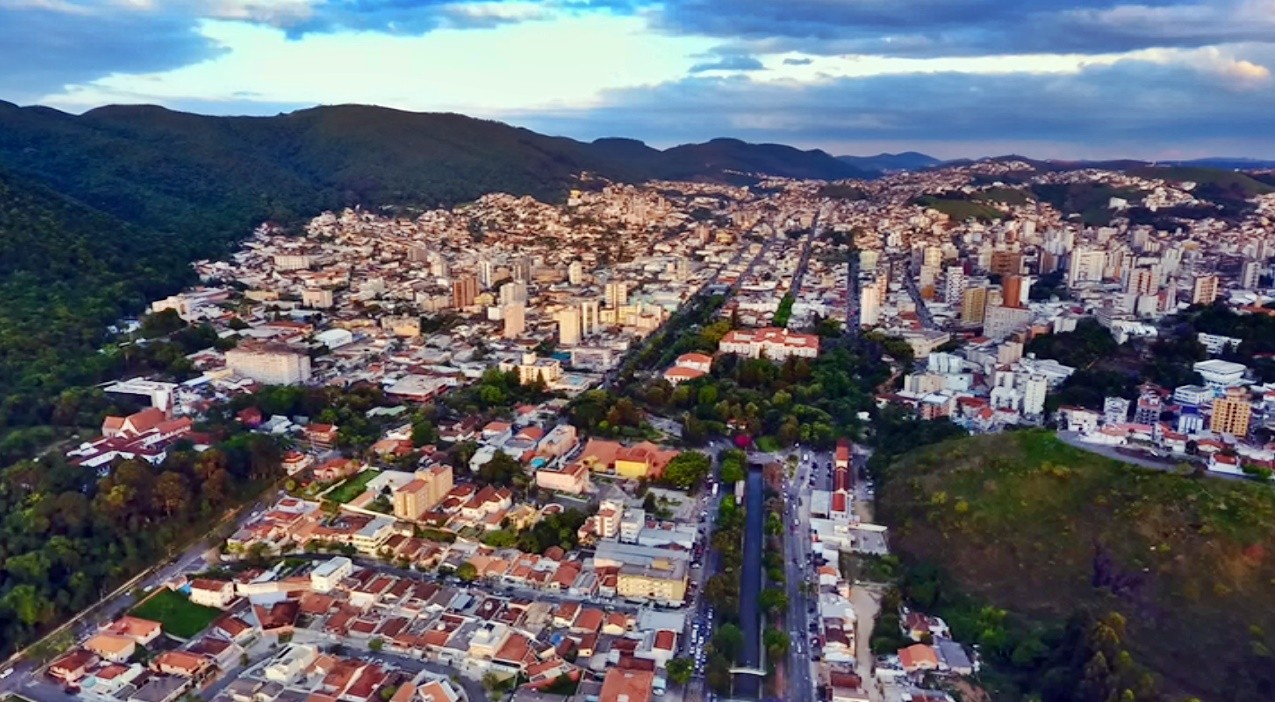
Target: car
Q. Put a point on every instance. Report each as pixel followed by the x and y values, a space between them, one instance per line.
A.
pixel 6 673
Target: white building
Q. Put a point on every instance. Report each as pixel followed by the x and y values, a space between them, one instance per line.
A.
pixel 1219 373
pixel 777 344
pixel 329 574
pixel 268 363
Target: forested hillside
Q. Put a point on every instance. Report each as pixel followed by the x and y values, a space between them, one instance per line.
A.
pixel 1023 542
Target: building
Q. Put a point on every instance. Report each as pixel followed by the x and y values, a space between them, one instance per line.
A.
pixel 1035 388
pixel 954 285
pixel 1086 266
pixel 1250 275
pixel 973 305
pixel 999 321
pixel 568 326
pixel 1216 343
pixel 212 593
pixel 533 368
pixel 617 294
pixel 271 364
pixel 1148 409
pixel 590 318
pixel 464 291
pixel 327 576
pixel 575 273
pixel 1204 291
pixel 1231 413
pixel 515 318
pixel 320 299
pixel 423 493
pixel 776 344
pixel 870 304
pixel 1219 373
pixel 1015 290
pixel 627 685
pixel 1115 410
pixel 1006 263
pixel 571 478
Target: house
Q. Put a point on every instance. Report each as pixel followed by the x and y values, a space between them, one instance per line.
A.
pixel 134 424
pixel 182 664
pixel 572 478
pixel 677 375
pixel 212 593
pixel 642 460
pixel 917 625
pixel 335 469
pixel 918 657
pixel 953 658
pixel 143 631
pixel 627 685
pixel 73 666
pixel 321 435
pixel 111 647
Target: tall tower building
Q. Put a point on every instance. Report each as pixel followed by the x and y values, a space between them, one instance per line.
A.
pixel 973 305
pixel 486 273
pixel 954 285
pixel 1204 292
pixel 568 326
pixel 1006 263
pixel 1143 281
pixel 1250 274
pixel 870 304
pixel 590 318
pixel 1015 289
pixel 464 290
pixel 575 273
pixel 1231 413
pixel 513 292
pixel 521 269
pixel 515 316
pixel 617 294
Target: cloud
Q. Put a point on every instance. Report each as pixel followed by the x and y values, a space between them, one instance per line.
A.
pixel 930 28
pixel 729 63
pixel 798 61
pixel 46 44
pixel 1099 110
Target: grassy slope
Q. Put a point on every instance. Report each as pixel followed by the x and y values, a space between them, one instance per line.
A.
pixel 180 617
pixel 1017 520
pixel 960 210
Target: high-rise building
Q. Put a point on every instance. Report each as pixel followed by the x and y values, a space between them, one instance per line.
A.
pixel 486 273
pixel 1015 290
pixel 513 292
pixel 1231 413
pixel 575 273
pixel 590 318
pixel 1204 292
pixel 932 257
pixel 953 285
pixel 1086 266
pixel 1144 280
pixel 464 290
pixel 870 304
pixel 1034 390
pixel 617 294
pixel 568 326
pixel 1006 263
pixel 521 269
pixel 1148 409
pixel 515 317
pixel 1250 275
pixel 973 305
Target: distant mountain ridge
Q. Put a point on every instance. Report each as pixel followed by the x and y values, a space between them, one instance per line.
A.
pixel 906 161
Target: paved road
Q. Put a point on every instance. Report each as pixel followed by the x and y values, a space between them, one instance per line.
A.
pixel 797 573
pixel 750 614
pixel 922 310
pixel 1073 439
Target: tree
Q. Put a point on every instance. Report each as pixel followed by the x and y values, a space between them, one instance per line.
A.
pixel 773 600
pixel 729 641
pixel 423 433
pixel 776 643
pixel 687 469
pixel 376 644
pixel 467 572
pixel 680 670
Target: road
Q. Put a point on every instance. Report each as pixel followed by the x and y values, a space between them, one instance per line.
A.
pixel 922 310
pixel 750 614
pixel 798 572
pixel 1072 438
pixel 853 322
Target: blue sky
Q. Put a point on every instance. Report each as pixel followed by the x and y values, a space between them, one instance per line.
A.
pixel 1049 78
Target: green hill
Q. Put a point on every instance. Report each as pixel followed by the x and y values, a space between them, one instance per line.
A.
pixel 1221 179
pixel 959 209
pixel 1024 522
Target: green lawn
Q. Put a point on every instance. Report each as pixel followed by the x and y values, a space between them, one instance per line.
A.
pixel 180 617
pixel 353 487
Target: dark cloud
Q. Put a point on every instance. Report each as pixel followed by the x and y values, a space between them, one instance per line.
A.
pixel 927 28
pixel 1132 106
pixel 729 63
pixel 798 61
pixel 43 50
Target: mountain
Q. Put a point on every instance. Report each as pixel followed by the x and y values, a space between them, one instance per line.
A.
pixel 906 161
pixel 1231 164
pixel 1024 523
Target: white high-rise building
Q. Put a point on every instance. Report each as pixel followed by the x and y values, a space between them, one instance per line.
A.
pixel 513 292
pixel 870 304
pixel 1034 390
pixel 1086 266
pixel 515 316
pixel 486 273
pixel 954 285
pixel 575 273
pixel 272 364
pixel 1250 274
pixel 568 326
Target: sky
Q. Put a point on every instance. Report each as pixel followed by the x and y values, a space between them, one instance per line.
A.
pixel 1151 79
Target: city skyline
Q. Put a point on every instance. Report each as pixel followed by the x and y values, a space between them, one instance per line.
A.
pixel 1096 79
